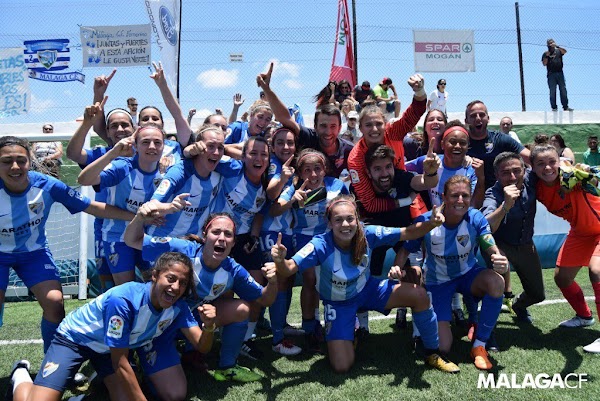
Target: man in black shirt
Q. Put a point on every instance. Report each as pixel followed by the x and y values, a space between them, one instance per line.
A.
pixel 552 59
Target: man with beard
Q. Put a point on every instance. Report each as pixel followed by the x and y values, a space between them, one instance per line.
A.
pixel 324 137
pixel 485 144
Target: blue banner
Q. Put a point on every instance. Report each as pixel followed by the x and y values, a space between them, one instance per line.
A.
pixel 57 77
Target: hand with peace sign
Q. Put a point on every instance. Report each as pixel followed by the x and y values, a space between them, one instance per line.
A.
pixel 432 162
pixel 101 84
pixel 286 170
pixel 159 74
pixel 264 80
pixel 437 216
pixel 278 251
pixel 300 195
pixel 93 112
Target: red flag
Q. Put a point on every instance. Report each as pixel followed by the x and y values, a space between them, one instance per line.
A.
pixel 342 66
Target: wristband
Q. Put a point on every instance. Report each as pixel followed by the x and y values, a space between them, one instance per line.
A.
pixel 506 210
pixel 432 174
pixel 210 329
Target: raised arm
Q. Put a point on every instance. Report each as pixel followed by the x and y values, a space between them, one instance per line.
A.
pixel 91 174
pixel 238 101
pixel 184 132
pixel 91 114
pixel 431 164
pixel 100 87
pixel 285 267
pixel 280 110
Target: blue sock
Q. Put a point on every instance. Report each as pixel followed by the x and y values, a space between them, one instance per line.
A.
pixel 471 304
pixel 488 316
pixel 277 311
pixel 232 337
pixel 309 325
pixel 426 322
pixel 48 330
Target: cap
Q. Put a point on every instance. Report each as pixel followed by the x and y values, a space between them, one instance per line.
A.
pixel 386 81
pixel 366 84
pixel 352 114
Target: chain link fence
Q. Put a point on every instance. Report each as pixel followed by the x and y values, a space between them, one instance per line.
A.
pixel 299 37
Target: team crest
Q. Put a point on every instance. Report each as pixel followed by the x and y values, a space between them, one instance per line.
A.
pixel 36 207
pixel 463 240
pixel 260 202
pixel 489 147
pixel 47 58
pixel 217 289
pixel 49 368
pixel 364 261
pixel 393 193
pixel 113 258
pixel 115 327
pixel 151 358
pixel 163 324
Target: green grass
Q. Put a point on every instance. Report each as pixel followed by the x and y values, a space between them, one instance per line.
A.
pixel 385 369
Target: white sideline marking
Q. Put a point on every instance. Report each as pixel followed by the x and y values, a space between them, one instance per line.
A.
pixel 377 317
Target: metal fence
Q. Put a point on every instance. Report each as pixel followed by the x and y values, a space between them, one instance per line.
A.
pixel 299 36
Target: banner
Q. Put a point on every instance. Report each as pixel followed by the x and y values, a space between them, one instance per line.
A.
pixel 444 51
pixel 118 46
pixel 44 57
pixel 15 97
pixel 164 18
pixel 342 66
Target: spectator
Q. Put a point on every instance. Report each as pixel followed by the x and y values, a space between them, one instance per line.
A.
pixel 565 153
pixel 540 139
pixel 438 98
pixel 326 95
pixel 132 105
pixel 506 128
pixel 552 59
pixel 351 126
pixel 386 102
pixel 591 156
pixel 362 93
pixel 343 91
pixel 346 107
pixel 48 155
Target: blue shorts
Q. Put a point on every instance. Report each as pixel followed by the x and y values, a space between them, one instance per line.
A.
pixel 389 106
pixel 121 258
pixel 32 267
pixel 299 241
pixel 340 316
pixel 161 353
pixel 63 360
pixel 250 261
pixel 441 294
pixel 269 238
pixel 101 265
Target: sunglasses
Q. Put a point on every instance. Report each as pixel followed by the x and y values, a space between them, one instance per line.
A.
pixel 443 83
pixel 48 128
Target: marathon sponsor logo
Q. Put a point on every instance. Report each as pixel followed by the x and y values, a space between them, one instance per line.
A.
pixel 22 229
pixel 452 257
pixel 528 380
pixel 194 210
pixel 133 205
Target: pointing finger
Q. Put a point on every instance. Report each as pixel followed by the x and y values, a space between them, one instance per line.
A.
pixel 104 100
pixel 112 74
pixel 270 70
pixel 431 146
pixel 303 186
pixel 279 240
pixel 288 161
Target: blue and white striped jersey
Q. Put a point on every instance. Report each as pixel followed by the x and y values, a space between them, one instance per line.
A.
pixel 183 178
pixel 123 317
pixel 282 223
pixel 23 216
pixel 237 132
pixel 311 219
pixel 338 278
pixel 128 188
pixel 210 283
pixel 451 251
pixel 444 173
pixel 238 196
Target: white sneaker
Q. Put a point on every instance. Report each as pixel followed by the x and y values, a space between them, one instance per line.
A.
pixel 577 322
pixel 287 348
pixel 23 363
pixel 593 348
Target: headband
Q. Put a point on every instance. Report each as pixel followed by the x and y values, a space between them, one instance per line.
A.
pixel 317 154
pixel 219 217
pixel 118 110
pixel 455 128
pixel 333 203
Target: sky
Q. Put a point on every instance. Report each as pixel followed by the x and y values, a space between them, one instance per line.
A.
pixel 299 38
